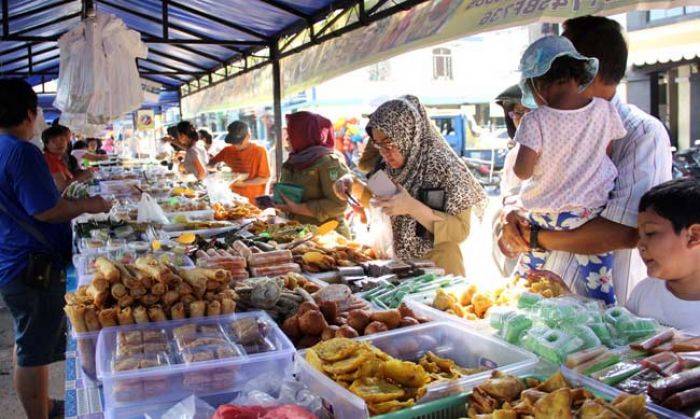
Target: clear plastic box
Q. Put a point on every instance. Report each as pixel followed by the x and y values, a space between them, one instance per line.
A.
pixel 84 263
pixel 164 362
pixel 119 187
pixel 577 379
pixel 467 348
pixel 421 304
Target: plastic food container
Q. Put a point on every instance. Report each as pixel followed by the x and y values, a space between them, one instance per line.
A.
pixel 465 347
pixel 611 392
pixel 164 362
pixel 422 304
pixel 85 263
pixel 85 345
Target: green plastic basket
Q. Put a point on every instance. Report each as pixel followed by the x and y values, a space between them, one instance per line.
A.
pixel 446 408
pixel 295 193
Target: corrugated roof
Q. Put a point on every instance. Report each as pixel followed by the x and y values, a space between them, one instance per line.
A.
pixel 211 32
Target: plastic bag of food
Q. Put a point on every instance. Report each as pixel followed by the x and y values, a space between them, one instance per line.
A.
pixel 150 212
pixel 380 235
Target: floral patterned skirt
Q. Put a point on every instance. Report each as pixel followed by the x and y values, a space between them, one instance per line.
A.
pixel 593 276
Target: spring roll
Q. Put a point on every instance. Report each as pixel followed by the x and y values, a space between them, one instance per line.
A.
pixel 158 289
pixel 156 314
pixel 71 299
pixel 138 292
pixel 184 288
pixel 196 279
pixel 143 278
pixel 125 316
pixel 149 299
pixel 132 283
pixel 107 269
pixel 108 317
pixel 141 315
pixel 187 299
pixel 228 306
pixel 119 290
pixel 99 283
pixel 210 296
pixel 170 298
pixel 76 315
pixel 91 320
pixel 214 308
pixel 153 268
pixel 197 308
pixel 126 301
pixel 177 312
pixel 101 299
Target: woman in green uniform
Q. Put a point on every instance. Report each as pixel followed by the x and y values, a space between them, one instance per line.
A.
pixel 430 215
pixel 313 166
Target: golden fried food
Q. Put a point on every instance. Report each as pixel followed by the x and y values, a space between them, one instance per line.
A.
pixel 556 405
pixel 348 365
pixel 313 359
pixel 554 383
pixel 388 406
pixel 376 390
pixel 336 349
pixel 405 373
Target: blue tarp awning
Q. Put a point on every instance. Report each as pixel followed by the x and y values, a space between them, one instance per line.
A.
pixel 199 35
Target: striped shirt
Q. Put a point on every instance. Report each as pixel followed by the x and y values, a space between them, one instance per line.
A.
pixel 643 160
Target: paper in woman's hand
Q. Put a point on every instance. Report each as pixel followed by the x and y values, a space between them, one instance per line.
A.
pixel 381 185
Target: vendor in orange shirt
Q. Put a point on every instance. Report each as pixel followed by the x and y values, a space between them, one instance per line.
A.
pixel 243 156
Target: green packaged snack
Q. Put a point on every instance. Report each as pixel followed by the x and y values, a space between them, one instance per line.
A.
pixel 515 326
pixel 528 300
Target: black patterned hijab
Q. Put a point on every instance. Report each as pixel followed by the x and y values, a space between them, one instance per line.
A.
pixel 430 163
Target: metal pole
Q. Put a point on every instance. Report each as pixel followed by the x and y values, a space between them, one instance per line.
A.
pixel 29 58
pixel 277 105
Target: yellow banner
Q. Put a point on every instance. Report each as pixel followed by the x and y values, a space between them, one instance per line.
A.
pixel 425 25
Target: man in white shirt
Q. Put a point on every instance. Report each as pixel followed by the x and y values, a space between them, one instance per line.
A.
pixel 642 158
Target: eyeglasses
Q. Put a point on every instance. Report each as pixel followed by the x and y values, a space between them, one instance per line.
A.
pixel 385 145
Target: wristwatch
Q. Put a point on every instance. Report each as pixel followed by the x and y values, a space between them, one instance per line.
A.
pixel 534 241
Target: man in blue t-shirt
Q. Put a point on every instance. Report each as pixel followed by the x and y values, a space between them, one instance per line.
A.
pixel 35 237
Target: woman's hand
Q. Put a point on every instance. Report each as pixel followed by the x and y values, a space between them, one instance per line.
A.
pixel 536 275
pixel 343 187
pixel 514 236
pixel 400 204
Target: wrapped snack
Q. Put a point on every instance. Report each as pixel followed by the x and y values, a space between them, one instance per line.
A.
pixel 76 315
pixel 177 311
pixel 187 299
pixel 184 334
pixel 132 337
pixel 149 299
pixel 170 298
pixel 138 292
pixel 156 314
pixel 276 257
pixel 197 308
pixel 184 288
pixel 98 284
pixel 107 269
pixel 153 268
pixel 119 290
pixel 126 301
pixel 214 308
pixel 141 315
pixel 108 317
pixel 91 320
pixel 125 316
pixel 158 289
pixel 228 306
pixel 101 299
pixel 71 300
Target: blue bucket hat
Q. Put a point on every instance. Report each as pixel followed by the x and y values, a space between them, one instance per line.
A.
pixel 538 58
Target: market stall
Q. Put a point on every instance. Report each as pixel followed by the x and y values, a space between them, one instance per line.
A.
pixel 187 290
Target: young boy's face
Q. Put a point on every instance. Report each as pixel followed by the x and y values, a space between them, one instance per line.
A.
pixel 668 255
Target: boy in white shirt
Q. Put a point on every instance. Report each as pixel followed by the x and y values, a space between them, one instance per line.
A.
pixel 669 243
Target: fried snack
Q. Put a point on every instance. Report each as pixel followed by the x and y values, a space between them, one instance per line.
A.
pixel 336 349
pixel 170 298
pixel 177 311
pixel 158 289
pixel 141 315
pixel 107 269
pixel 108 317
pixel 118 290
pixel 555 405
pixel 98 284
pixel 138 292
pixel 126 301
pixel 228 306
pixel 213 308
pixel 151 266
pixel 149 300
pixel 376 390
pixel 156 314
pixel 197 308
pixel 91 320
pixel 76 315
pixel 125 316
pixel 405 373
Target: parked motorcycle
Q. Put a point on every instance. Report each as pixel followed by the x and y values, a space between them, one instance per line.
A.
pixel 686 163
pixel 486 165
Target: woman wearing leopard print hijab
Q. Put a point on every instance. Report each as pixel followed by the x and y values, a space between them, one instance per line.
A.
pixel 422 164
